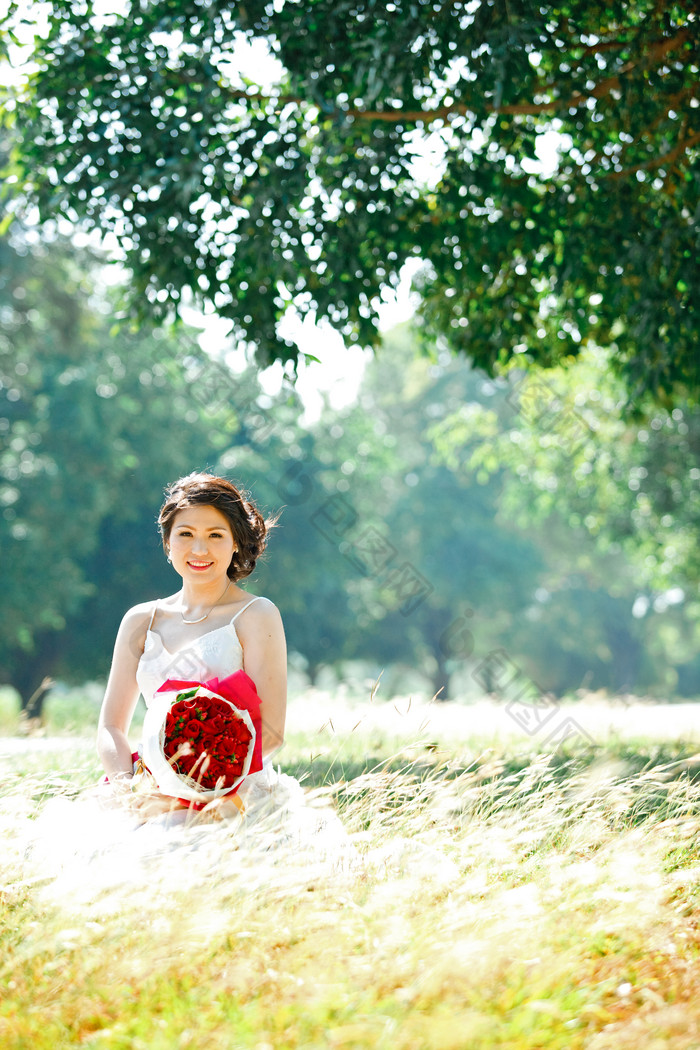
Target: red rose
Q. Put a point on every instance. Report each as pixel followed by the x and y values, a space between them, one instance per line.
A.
pixel 218 707
pixel 211 775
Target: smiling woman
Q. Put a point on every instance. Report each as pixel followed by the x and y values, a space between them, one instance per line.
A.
pixel 213 535
pixel 210 663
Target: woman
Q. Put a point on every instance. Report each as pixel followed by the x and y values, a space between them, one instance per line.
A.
pixel 212 535
pixel 117 838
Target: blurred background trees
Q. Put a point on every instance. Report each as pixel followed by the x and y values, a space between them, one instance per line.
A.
pixel 537 169
pixel 441 516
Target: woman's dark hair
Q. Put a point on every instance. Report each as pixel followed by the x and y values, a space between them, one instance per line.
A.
pixel 248 526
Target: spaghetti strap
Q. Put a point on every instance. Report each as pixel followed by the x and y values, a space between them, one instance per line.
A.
pixel 257 598
pixel 153 615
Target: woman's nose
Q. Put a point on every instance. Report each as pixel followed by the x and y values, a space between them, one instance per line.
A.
pixel 199 545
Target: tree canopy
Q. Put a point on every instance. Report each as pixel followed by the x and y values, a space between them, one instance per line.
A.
pixel 310 187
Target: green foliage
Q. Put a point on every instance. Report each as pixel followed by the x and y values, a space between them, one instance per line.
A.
pixel 92 426
pixel 311 190
pixel 632 487
pixel 391 554
pixel 461 577
pixel 617 502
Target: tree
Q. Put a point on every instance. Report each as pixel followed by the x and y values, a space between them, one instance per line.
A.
pixel 308 192
pixel 306 576
pixel 616 503
pixel 432 573
pixel 631 487
pixel 92 426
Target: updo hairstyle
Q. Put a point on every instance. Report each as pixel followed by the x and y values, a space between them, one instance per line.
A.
pixel 247 524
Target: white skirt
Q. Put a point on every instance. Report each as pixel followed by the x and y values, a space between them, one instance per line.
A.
pixel 85 853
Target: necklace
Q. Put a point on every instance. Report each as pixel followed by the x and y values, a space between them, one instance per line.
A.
pixel 201 618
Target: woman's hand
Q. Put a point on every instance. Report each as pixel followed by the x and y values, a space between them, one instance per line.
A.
pixel 139 794
pixel 146 800
pixel 223 808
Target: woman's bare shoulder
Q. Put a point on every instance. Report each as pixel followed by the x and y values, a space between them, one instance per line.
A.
pixel 262 608
pixel 139 615
pixel 259 612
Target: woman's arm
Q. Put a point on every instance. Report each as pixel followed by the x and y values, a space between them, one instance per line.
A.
pixel 121 695
pixel 265 661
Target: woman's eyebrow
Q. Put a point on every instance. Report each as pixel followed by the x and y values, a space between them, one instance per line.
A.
pixel 211 528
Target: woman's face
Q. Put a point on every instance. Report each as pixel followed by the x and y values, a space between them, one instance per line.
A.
pixel 201 544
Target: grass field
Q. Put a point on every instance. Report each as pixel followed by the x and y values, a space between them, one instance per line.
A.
pixel 507 894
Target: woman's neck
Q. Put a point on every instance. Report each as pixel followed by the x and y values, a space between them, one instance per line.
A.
pixel 200 599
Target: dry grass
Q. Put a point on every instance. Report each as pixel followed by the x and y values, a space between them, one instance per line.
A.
pixel 502 897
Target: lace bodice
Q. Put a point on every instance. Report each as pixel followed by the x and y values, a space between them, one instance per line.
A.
pixel 217 653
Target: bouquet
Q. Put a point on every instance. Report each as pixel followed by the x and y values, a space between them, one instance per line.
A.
pixel 201 739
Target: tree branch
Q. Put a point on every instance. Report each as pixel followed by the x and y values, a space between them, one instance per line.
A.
pixel 658 162
pixel 656 52
pixel 604 45
pixel 670 103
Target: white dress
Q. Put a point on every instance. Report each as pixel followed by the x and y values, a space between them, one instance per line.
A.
pixel 215 654
pixel 88 850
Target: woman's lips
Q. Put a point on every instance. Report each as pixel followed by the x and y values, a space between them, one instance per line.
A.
pixel 199 566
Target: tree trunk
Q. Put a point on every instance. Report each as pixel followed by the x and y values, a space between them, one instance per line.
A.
pixel 313 671
pixel 32 677
pixel 627 658
pixel 441 677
